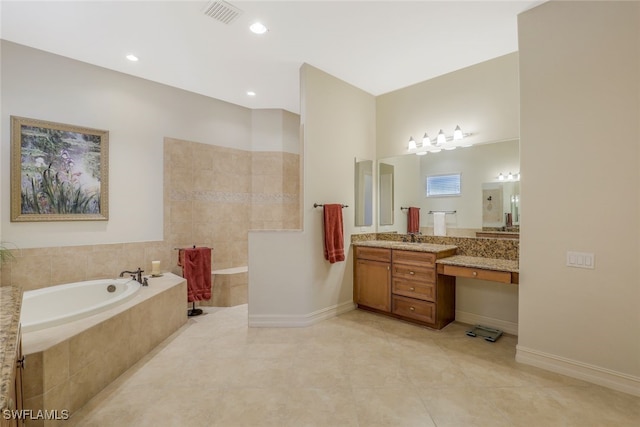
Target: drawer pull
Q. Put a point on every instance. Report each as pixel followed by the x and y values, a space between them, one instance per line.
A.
pixel 411 273
pixel 412 288
pixel 412 308
pixel 475 273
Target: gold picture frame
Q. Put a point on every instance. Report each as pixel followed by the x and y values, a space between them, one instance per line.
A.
pixel 59 172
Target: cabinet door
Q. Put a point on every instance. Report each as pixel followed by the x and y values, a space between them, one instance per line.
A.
pixel 373 284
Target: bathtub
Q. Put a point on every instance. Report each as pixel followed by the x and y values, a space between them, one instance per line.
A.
pixel 56 305
pixel 67 364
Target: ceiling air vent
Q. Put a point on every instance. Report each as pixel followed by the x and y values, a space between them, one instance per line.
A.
pixel 222 11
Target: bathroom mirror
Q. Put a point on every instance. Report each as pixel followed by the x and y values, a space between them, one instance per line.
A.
pixel 479 164
pixel 385 173
pixel 500 204
pixel 364 193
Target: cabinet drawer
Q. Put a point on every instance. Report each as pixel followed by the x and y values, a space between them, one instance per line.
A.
pixel 413 289
pixel 412 257
pixel 477 273
pixel 423 274
pixel 415 309
pixel 374 254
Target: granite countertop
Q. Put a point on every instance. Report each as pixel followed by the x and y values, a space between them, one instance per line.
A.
pixel 481 262
pixel 418 247
pixel 10 303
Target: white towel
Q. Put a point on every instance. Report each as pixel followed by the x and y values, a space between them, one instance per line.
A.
pixel 439 224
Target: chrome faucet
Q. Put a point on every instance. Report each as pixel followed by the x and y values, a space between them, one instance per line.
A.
pixel 137 275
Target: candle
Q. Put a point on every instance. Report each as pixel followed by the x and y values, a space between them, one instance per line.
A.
pixel 155 267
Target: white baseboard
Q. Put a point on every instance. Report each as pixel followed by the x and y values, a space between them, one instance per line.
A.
pixel 580 370
pixel 476 319
pixel 298 321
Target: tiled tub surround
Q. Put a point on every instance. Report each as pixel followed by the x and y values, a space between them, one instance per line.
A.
pixel 229 287
pixel 38 268
pixel 67 365
pixel 10 302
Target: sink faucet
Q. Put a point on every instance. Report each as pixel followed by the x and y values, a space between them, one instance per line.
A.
pixel 137 275
pixel 413 237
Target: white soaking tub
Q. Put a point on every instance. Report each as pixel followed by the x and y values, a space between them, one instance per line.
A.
pixel 55 305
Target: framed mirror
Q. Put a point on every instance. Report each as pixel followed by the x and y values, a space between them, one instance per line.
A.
pixel 364 193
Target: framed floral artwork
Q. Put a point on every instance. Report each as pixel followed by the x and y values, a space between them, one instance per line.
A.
pixel 59 172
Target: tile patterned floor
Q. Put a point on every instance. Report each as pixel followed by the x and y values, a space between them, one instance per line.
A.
pixel 358 369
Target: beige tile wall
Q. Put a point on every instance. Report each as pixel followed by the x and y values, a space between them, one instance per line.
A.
pixel 215 195
pixel 41 267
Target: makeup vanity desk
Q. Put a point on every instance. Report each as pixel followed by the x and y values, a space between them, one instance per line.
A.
pixel 416 281
pixel 492 269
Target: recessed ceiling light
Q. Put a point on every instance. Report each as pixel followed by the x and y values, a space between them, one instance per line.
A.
pixel 258 28
pixel 251 93
pixel 132 57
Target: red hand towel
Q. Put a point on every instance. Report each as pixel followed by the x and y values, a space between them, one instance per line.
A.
pixel 196 268
pixel 333 233
pixel 413 220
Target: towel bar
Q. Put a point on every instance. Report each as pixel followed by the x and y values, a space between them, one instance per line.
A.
pixel 447 212
pixel 319 205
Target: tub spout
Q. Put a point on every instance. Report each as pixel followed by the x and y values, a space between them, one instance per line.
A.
pixel 135 274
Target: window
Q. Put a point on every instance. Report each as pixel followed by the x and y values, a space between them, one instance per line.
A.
pixel 443 185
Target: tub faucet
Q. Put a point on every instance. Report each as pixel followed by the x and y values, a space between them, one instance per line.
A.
pixel 134 274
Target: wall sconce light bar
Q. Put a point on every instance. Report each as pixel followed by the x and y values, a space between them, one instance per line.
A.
pixel 442 142
pixel 509 177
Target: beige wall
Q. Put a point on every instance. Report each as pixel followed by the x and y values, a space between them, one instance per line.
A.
pixel 483 99
pixel 243 172
pixel 580 91
pixel 138 115
pixel 291 283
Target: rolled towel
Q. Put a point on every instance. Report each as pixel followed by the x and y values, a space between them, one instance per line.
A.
pixel 439 224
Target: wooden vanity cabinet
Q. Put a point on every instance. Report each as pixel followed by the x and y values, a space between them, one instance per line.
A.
pixel 15 392
pixel 404 284
pixel 418 293
pixel 372 284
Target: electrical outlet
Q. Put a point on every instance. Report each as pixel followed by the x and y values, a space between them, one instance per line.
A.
pixel 581 259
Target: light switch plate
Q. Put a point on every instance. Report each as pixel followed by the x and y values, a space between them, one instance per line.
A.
pixel 581 259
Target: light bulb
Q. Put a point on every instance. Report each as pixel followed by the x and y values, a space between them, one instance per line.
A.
pixel 510 176
pixel 426 140
pixel 457 134
pixel 501 177
pixel 441 138
pixel 412 144
pixel 258 28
